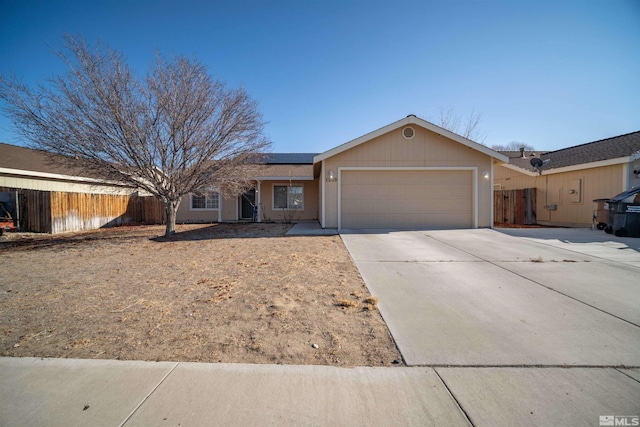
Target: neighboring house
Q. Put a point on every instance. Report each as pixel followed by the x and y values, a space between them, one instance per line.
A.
pixel 54 198
pixel 573 177
pixel 25 168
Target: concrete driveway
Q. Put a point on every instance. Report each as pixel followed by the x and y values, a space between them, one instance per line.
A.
pixel 523 327
pixel 551 297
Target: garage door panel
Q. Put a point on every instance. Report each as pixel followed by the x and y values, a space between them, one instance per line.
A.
pixel 406 199
pixel 404 221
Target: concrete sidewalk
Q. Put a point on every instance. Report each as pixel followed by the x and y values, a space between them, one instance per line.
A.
pixel 66 392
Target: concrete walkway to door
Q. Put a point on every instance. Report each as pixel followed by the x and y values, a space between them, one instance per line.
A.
pixel 506 313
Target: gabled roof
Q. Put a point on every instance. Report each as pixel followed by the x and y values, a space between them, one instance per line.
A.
pixel 614 150
pixel 285 166
pixel 284 172
pixel 410 120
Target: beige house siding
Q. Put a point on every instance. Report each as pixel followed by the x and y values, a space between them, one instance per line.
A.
pixel 231 208
pixel 572 193
pixel 310 192
pixel 426 149
pixel 187 215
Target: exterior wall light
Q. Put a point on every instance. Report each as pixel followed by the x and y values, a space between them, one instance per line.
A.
pixel 485 174
pixel 331 177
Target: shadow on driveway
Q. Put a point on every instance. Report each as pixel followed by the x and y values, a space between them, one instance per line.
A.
pixel 555 236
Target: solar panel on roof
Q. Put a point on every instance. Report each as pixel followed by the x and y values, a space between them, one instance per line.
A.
pixel 289 158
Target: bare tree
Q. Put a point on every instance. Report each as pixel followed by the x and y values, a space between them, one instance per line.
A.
pixel 468 128
pixel 174 131
pixel 513 146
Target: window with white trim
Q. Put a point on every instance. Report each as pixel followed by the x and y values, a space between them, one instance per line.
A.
pixel 288 196
pixel 207 200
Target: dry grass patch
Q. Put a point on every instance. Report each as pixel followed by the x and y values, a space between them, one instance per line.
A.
pixel 371 300
pixel 346 303
pixel 242 293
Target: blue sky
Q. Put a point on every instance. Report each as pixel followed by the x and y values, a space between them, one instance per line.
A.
pixel 548 73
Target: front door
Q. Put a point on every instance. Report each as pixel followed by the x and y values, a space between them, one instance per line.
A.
pixel 248 204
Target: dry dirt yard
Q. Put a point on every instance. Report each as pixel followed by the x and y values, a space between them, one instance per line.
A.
pixel 237 293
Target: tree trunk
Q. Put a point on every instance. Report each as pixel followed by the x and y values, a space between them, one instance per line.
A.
pixel 171 208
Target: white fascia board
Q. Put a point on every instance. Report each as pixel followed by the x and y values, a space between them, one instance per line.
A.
pixel 323 195
pixel 59 177
pixel 409 121
pixel 258 203
pixel 284 178
pixel 572 168
pixel 518 169
pixel 364 138
pixel 462 140
pixel 492 199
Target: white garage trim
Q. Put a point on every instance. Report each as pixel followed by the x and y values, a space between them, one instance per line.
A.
pixel 322 191
pixel 474 183
pixel 493 188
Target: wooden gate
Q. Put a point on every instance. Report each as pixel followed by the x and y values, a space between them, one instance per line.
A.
pixel 514 206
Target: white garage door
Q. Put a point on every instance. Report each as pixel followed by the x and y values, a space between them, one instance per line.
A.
pixel 406 199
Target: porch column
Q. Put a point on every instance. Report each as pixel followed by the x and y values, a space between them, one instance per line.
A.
pixel 259 201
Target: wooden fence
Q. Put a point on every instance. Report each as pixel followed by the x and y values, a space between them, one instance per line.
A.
pixel 81 211
pixel 514 206
pixel 57 212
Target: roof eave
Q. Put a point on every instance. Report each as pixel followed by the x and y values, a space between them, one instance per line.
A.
pixel 590 165
pixel 519 169
pixel 409 120
pixel 61 177
pixel 284 178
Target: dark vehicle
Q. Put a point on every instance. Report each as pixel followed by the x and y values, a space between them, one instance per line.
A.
pixel 6 220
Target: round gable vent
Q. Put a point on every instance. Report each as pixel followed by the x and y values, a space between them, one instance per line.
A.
pixel 408 132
